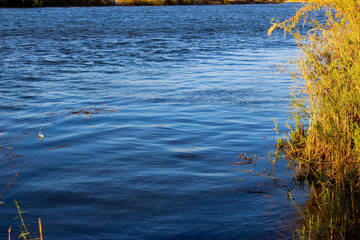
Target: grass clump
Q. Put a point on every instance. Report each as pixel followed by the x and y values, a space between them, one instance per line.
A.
pixel 25 234
pixel 324 143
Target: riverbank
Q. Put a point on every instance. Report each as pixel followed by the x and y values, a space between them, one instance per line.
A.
pixel 70 3
pixel 193 2
pixel 295 1
pixel 324 143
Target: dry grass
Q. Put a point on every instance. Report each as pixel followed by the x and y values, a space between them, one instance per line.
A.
pixel 324 143
pixel 191 2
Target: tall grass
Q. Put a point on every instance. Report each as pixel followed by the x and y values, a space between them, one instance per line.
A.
pixel 324 143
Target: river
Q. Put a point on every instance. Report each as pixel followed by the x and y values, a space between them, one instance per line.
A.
pixel 144 111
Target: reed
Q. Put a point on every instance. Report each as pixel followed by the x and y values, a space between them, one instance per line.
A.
pixel 25 234
pixel 324 142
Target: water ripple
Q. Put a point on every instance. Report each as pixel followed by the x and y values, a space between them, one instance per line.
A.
pixel 192 86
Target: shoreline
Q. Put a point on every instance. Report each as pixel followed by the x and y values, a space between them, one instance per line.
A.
pixel 98 3
pixel 295 1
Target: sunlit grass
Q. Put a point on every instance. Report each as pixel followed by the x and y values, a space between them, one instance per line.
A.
pixel 192 2
pixel 324 143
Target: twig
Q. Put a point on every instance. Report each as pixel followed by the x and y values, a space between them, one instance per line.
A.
pixel 248 191
pixel 260 174
pixel 113 110
pixel 58 146
pixel 9 184
pixel 40 230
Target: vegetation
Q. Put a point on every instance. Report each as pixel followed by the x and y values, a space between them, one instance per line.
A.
pixel 53 3
pixel 57 3
pixel 324 143
pixel 193 2
pixel 25 234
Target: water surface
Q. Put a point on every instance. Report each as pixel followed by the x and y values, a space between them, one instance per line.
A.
pixel 177 93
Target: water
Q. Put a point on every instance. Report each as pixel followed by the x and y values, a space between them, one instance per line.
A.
pixel 177 93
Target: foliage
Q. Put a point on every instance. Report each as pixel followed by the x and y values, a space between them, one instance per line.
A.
pixel 54 3
pixel 193 2
pixel 57 3
pixel 324 143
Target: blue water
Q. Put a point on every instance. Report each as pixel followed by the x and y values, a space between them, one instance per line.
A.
pixel 175 94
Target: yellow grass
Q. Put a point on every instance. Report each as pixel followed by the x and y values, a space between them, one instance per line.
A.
pixel 324 143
